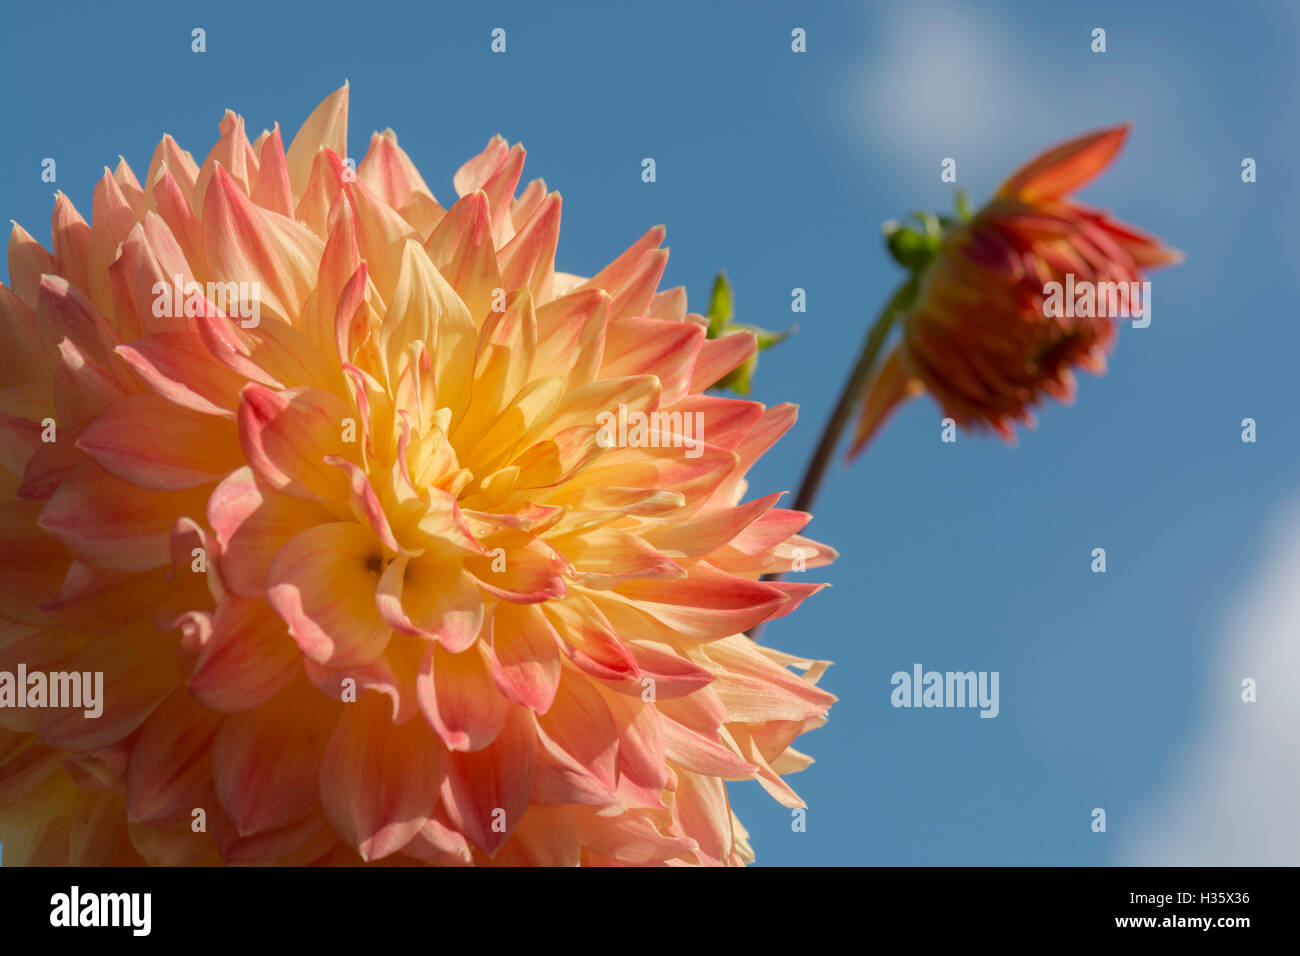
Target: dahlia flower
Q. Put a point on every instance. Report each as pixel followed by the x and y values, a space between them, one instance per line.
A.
pixel 312 469
pixel 980 335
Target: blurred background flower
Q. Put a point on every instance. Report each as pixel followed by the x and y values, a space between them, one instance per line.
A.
pixel 980 332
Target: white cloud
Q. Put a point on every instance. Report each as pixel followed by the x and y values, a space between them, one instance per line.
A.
pixel 941 87
pixel 947 80
pixel 1231 799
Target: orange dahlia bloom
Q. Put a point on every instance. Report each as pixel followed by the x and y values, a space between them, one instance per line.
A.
pixel 980 335
pixel 321 477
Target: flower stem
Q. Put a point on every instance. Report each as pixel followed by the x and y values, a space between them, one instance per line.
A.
pixel 851 395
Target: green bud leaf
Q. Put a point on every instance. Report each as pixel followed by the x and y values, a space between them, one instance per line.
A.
pixel 965 212
pixel 911 249
pixel 720 307
pixel 720 313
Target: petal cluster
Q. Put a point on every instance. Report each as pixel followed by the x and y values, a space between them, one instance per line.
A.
pixel 318 474
pixel 980 336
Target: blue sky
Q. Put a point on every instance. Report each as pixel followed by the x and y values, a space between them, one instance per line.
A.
pixel 780 167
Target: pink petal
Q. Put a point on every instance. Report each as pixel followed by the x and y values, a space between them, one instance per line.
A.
pixel 252 523
pixel 151 443
pixel 460 699
pixel 323 584
pixel 169 772
pixel 486 793
pixel 525 656
pixel 379 781
pixel 248 657
pixel 265 761
pixel 433 599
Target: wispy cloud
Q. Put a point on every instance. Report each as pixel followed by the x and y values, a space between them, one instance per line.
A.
pixel 982 87
pixel 1231 799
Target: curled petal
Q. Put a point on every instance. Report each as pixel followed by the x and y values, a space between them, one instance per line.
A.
pixel 247 657
pixel 323 583
pixel 150 443
pixel 378 782
pixel 169 770
pixel 486 792
pixel 525 656
pixel 265 761
pixel 431 598
pixel 460 699
pixel 287 435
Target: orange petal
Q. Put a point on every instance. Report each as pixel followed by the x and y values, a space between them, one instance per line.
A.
pixel 571 336
pixel 382 235
pixel 423 307
pixel 24 359
pixel 1064 168
pixel 486 793
pixel 179 367
pixel 642 765
pixel 891 385
pixel 139 669
pixel 525 656
pixel 578 748
pixel 379 781
pixel 325 128
pixel 632 297
pixel 151 443
pixel 70 243
pixel 636 346
pixel 323 584
pixel 246 658
pixel 433 599
pixel 587 638
pixel 546 836
pixel 673 675
pixel 475 172
pixel 265 761
pixel 528 261
pixel 287 435
pixel 532 570
pixel 28 261
pixel 459 698
pixel 438 843
pixel 169 772
pixel 701 534
pixel 390 174
pixel 703 811
pixel 720 356
pixel 273 189
pixel 617 273
pixel 233 153
pixel 703 607
pixel 500 190
pixel 252 524
pixel 131 527
pixel 32 563
pixel 275 259
pixel 461 249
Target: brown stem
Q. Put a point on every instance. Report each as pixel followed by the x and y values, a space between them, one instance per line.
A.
pixel 815 473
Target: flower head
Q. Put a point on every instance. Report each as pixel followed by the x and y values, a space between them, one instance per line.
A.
pixel 985 335
pixel 388 540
